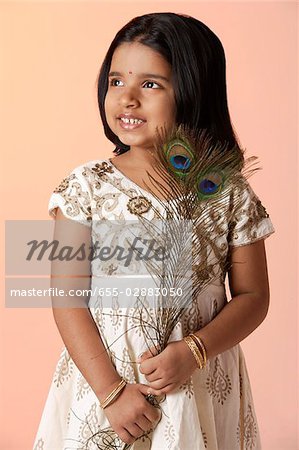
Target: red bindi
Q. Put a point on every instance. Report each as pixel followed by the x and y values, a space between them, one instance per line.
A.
pixel 130 73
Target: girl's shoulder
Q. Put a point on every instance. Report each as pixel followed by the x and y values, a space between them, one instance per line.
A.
pixel 85 174
pixel 249 219
pixel 75 192
pixel 89 168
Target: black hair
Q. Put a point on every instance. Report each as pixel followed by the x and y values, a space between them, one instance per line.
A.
pixel 198 63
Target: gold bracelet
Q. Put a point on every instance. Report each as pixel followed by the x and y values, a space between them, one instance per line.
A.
pixel 195 350
pixel 204 351
pixel 108 400
pixel 115 395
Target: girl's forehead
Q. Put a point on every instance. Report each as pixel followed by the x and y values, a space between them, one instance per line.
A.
pixel 133 57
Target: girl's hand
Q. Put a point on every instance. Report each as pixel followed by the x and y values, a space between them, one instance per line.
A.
pixel 131 415
pixel 166 371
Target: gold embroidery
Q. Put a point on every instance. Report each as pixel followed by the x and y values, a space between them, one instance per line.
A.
pixel 204 436
pixel 100 318
pixel 139 205
pixel 90 425
pixel 215 309
pixel 252 216
pixel 241 385
pixel 75 198
pixel 169 434
pixel 187 387
pixel 247 431
pixel 82 387
pixel 64 184
pixel 192 319
pixel 261 210
pixel 115 314
pixel 39 445
pixel 102 168
pixel 219 384
pixel 126 370
pixel 64 368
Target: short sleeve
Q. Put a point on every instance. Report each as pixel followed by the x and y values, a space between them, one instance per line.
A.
pixel 73 197
pixel 250 220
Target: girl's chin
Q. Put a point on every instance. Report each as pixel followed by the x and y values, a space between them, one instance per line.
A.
pixel 133 141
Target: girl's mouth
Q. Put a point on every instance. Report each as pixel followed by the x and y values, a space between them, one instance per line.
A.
pixel 131 124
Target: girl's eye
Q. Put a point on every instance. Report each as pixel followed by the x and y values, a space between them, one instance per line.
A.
pixel 152 82
pixel 114 81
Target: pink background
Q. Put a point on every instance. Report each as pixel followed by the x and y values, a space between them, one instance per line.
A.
pixel 50 57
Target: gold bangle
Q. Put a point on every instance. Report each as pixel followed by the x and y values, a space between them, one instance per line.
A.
pixel 204 351
pixel 195 350
pixel 108 400
pixel 113 394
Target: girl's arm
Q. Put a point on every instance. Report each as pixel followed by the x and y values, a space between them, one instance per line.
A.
pixel 75 324
pixel 249 286
pixel 248 279
pixel 130 415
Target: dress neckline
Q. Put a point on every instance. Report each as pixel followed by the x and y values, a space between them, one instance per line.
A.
pixel 135 184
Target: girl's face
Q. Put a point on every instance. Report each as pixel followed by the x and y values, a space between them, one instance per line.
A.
pixel 140 95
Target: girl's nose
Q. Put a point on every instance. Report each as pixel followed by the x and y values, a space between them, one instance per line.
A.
pixel 129 99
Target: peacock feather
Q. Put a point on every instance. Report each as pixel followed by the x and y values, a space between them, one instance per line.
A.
pixel 195 176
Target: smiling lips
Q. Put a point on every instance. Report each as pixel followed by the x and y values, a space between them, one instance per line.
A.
pixel 129 122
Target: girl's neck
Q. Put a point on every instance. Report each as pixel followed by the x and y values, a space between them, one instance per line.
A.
pixel 140 158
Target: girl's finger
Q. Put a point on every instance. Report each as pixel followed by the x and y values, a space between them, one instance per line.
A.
pixel 152 377
pixel 162 391
pixel 147 367
pixel 147 354
pixel 158 384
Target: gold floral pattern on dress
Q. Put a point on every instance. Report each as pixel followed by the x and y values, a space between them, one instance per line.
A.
pixel 247 431
pixel 251 216
pixel 187 387
pixel 126 369
pixel 139 205
pixel 99 318
pixel 102 168
pixel 102 171
pixel 115 314
pixel 76 200
pixel 64 369
pixel 204 437
pixel 203 273
pixel 89 424
pixel 241 385
pixel 105 203
pixel 110 269
pixel 192 319
pixel 219 385
pixel 169 434
pixel 39 445
pixel 215 309
pixel 64 183
pixel 82 387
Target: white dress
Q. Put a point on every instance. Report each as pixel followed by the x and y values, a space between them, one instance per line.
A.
pixel 214 410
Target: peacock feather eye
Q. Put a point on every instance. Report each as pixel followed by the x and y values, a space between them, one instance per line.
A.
pixel 179 156
pixel 209 184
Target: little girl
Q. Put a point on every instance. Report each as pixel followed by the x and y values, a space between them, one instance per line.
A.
pixel 161 70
